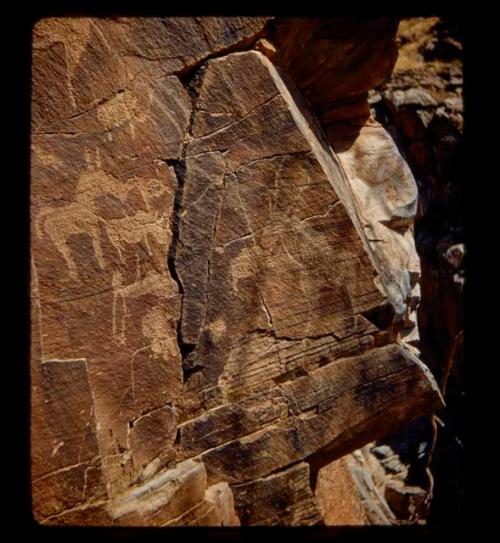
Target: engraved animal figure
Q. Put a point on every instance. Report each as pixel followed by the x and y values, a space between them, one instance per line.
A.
pixel 155 283
pixel 74 218
pixel 135 229
pixel 82 217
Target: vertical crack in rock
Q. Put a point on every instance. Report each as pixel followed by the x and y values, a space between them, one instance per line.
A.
pixel 185 348
pixel 179 167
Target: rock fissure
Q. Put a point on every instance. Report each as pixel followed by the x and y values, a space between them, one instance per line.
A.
pixel 185 348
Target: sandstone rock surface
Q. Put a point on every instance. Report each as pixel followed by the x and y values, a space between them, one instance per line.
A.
pixel 208 325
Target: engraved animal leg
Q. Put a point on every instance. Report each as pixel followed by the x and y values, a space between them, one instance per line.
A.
pixel 146 242
pixel 115 281
pixel 118 293
pixel 96 245
pixel 58 238
pixel 123 320
pixel 113 235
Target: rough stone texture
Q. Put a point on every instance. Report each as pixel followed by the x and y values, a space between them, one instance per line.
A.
pixel 221 496
pixel 282 499
pixel 422 107
pixel 79 64
pixel 386 197
pixel 338 497
pixel 107 114
pixel 271 229
pixel 211 323
pixel 65 452
pixel 415 475
pixel 335 61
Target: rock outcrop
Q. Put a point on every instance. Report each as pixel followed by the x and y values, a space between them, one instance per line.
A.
pixel 416 475
pixel 422 107
pixel 222 287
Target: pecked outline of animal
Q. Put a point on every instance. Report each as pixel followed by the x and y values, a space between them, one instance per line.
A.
pixel 155 283
pixel 81 216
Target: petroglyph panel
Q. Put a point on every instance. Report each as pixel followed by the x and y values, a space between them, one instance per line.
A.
pixel 200 283
pixel 102 197
pixel 267 250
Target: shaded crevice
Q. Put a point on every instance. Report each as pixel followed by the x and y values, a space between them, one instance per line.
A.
pixel 382 316
pixel 429 134
pixel 185 348
pixel 313 476
pixel 179 166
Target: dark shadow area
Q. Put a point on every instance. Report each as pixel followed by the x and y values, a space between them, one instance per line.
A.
pixel 422 110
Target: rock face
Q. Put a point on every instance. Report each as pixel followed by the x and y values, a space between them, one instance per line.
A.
pixel 335 63
pixel 213 320
pixel 416 475
pixel 422 106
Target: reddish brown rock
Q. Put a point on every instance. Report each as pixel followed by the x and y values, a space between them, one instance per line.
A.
pixel 335 59
pixel 331 411
pixel 206 303
pixel 149 434
pixel 94 514
pixel 66 460
pixel 98 251
pixel 269 227
pixel 282 499
pixel 81 63
pixel 337 496
pixel 106 115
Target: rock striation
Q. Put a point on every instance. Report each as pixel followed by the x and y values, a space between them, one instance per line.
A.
pixel 215 314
